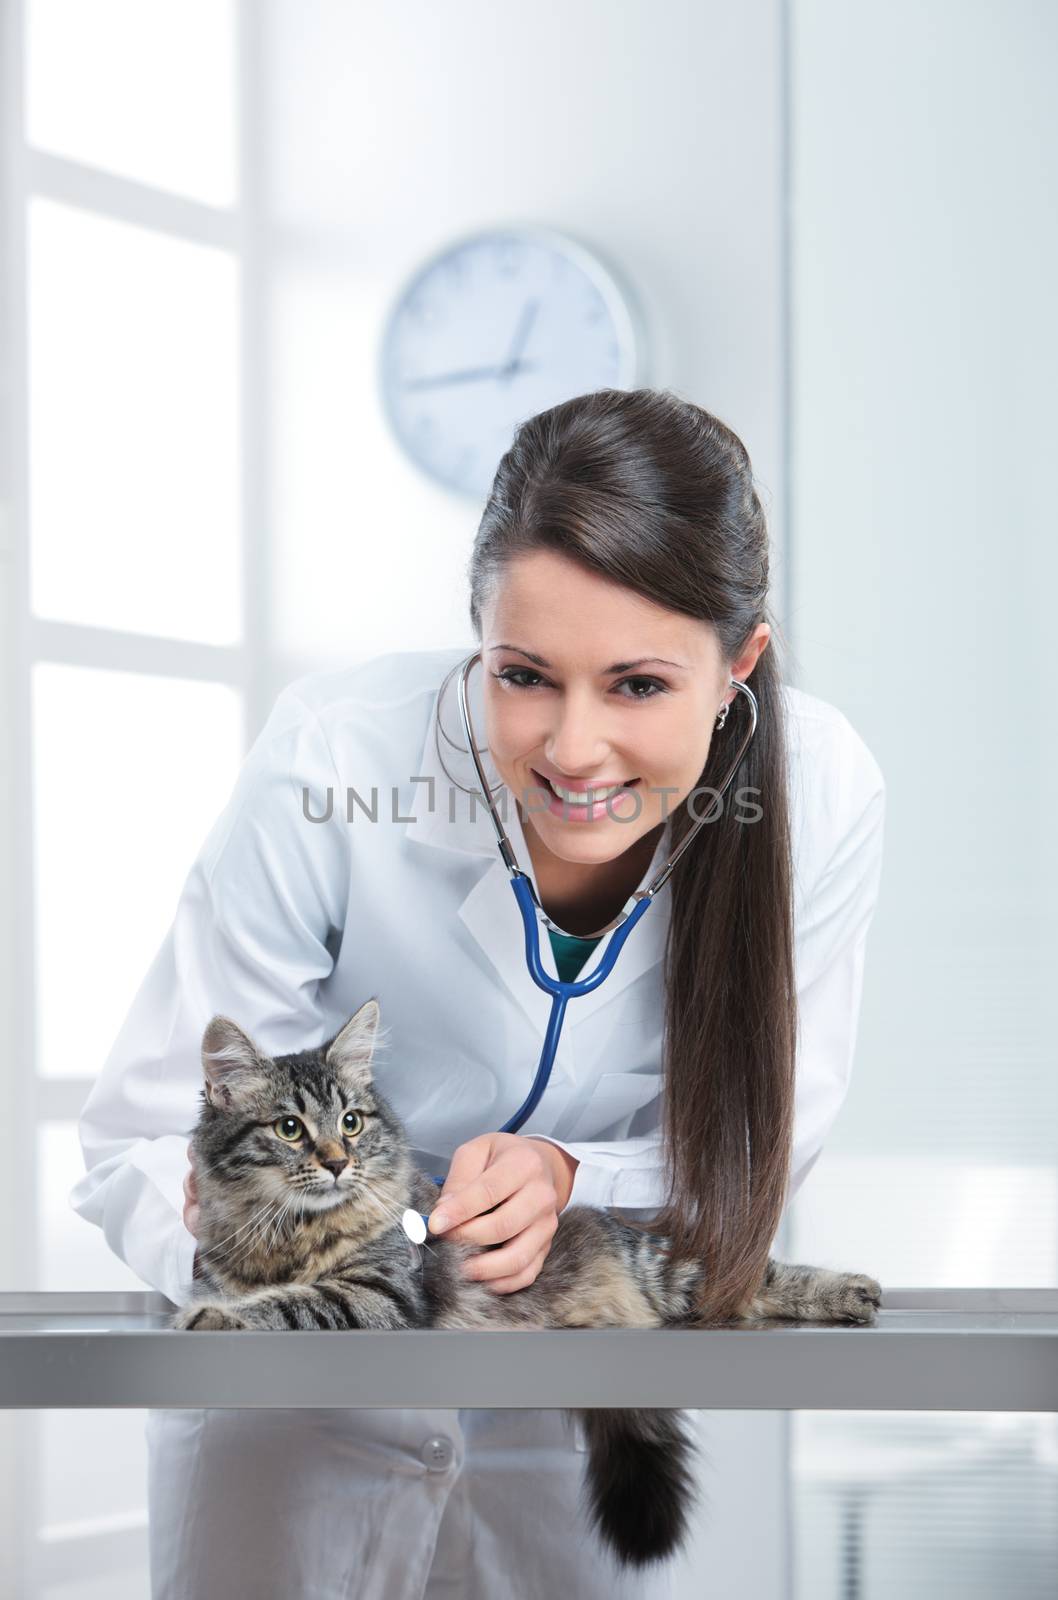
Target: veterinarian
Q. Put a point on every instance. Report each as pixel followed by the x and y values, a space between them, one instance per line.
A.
pixel 618 590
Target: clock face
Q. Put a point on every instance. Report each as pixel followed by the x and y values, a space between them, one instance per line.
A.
pixel 490 331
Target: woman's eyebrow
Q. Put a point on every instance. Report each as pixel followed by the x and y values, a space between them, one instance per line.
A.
pixel 618 666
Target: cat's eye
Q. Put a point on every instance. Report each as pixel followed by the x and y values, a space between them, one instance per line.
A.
pixel 288 1128
pixel 352 1122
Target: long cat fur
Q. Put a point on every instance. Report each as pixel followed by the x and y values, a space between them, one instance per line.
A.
pixel 287 1242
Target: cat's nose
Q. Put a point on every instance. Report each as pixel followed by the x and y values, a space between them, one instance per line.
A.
pixel 337 1167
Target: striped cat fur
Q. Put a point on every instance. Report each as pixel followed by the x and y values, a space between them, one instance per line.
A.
pixel 303 1172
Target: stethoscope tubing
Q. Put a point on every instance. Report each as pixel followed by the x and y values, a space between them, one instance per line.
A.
pixel 532 912
pixel 561 993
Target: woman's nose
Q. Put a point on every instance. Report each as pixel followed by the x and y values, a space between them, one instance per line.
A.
pixel 576 746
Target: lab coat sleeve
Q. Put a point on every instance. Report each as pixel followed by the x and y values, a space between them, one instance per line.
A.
pixel 831 939
pixel 252 937
pixel 618 1172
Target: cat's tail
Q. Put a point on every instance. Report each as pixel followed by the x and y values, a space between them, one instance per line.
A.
pixel 640 1482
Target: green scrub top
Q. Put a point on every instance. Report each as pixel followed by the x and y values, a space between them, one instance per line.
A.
pixel 570 954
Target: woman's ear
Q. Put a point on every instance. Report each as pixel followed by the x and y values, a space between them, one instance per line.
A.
pixel 748 657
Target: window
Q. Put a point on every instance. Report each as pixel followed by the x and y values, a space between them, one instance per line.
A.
pixel 135 638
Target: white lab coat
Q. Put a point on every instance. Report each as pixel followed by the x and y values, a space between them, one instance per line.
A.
pixel 288 925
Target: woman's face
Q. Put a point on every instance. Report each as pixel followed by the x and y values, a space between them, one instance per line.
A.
pixel 589 685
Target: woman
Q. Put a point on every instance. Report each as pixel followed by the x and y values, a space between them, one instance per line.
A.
pixel 618 590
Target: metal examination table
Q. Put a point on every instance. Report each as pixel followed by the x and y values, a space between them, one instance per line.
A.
pixel 931 1350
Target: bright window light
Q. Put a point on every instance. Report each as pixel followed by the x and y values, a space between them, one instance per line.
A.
pixel 129 774
pixel 145 89
pixel 134 498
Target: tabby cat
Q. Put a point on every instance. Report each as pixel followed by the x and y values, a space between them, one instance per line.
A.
pixel 303 1173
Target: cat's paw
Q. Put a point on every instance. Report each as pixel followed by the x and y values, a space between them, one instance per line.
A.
pixel 847 1297
pixel 797 1293
pixel 208 1316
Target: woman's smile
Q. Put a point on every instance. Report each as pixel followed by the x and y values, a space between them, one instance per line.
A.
pixel 580 801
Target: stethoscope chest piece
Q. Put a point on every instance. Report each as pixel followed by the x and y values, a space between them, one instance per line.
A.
pixel 414 1225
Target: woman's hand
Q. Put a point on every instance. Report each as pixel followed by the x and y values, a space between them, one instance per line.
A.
pixel 503 1188
pixel 191 1197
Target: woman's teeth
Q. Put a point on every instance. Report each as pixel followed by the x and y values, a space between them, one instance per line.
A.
pixel 579 797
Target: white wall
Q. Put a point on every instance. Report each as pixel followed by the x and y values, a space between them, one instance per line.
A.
pixel 650 132
pixel 924 166
pixel 925 344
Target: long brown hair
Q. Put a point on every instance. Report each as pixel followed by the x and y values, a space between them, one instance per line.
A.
pixel 657 494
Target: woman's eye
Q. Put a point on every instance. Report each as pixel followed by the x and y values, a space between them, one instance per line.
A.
pixel 288 1128
pixel 652 685
pixel 352 1122
pixel 514 675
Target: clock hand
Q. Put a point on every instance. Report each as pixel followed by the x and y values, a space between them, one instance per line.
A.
pixel 510 366
pixel 468 375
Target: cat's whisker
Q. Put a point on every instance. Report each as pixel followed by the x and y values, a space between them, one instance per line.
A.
pixel 273 1237
pixel 244 1249
pixel 392 1213
pixel 387 1211
pixel 390 1210
pixel 268 1239
pixel 245 1234
pixel 257 1236
pixel 275 1223
pixel 250 1223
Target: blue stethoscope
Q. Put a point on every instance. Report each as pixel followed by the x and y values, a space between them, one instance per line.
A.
pixel 533 913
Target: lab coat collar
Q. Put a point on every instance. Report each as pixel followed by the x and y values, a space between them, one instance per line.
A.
pixel 444 817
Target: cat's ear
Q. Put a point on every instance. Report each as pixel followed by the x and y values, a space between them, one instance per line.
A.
pixel 232 1063
pixel 350 1053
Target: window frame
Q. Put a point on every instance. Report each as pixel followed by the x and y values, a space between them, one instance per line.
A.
pixel 28 173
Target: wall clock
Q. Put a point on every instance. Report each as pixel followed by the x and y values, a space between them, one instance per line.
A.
pixel 495 327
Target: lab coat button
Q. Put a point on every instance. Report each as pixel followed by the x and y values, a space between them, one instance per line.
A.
pixel 438 1452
